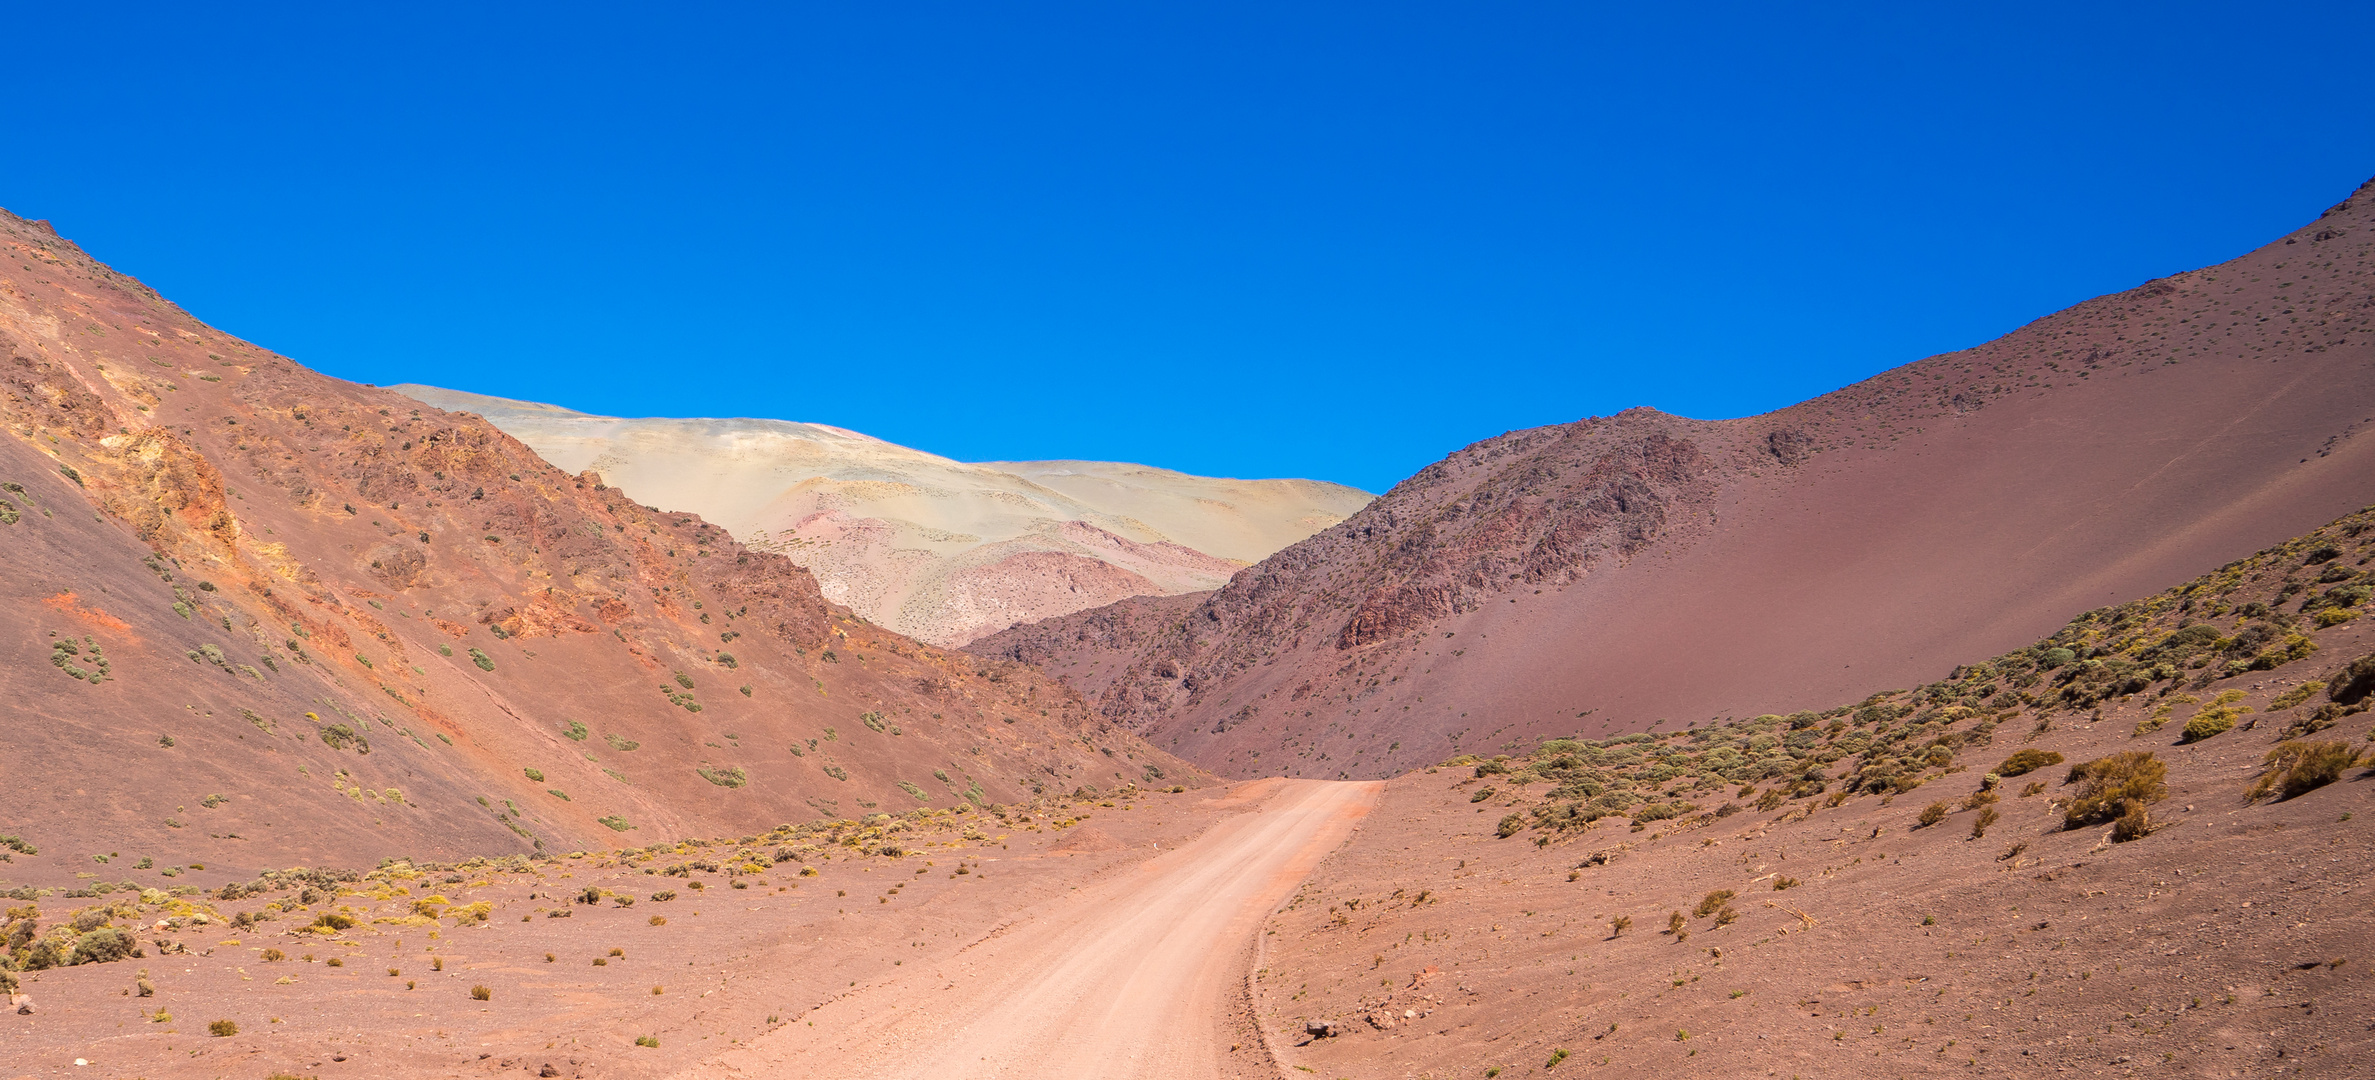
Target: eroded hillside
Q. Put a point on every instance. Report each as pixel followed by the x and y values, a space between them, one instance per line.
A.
pixel 258 617
pixel 1617 572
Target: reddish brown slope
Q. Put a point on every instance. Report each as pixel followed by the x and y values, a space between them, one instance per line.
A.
pixel 1614 573
pixel 281 569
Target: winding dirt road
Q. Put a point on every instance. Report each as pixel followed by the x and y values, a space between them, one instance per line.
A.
pixel 1131 977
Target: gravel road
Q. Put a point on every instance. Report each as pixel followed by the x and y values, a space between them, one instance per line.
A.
pixel 1135 976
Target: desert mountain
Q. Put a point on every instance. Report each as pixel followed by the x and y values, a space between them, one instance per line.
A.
pixel 2130 841
pixel 257 616
pixel 1625 572
pixel 941 550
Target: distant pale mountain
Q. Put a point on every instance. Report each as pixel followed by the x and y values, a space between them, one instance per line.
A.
pixel 941 550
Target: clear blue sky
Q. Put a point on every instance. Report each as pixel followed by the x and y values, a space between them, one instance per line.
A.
pixel 1250 240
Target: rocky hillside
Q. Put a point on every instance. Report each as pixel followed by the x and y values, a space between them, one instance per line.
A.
pixel 944 551
pixel 257 617
pixel 2131 845
pixel 1621 572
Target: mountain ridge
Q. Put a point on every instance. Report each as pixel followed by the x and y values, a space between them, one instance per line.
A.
pixel 1690 569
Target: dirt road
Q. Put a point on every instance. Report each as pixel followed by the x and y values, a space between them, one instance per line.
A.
pixel 1132 977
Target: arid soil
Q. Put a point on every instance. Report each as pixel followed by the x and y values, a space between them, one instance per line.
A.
pixel 1622 571
pixel 767 967
pixel 1824 928
pixel 943 551
pixel 1140 975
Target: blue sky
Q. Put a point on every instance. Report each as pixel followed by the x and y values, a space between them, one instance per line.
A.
pixel 1249 240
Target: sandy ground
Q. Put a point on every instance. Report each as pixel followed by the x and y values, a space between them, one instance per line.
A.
pixel 2234 942
pixel 1110 937
pixel 1132 977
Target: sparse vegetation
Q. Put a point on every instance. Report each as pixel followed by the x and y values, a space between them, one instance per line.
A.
pixel 2294 769
pixel 2108 785
pixel 726 778
pixel 2026 760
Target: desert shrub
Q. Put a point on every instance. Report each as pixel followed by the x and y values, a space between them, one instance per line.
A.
pixel 481 993
pixel 534 774
pixel 102 946
pixel 342 737
pixel 2354 683
pixel 273 956
pixel 1660 812
pixel 1619 925
pixel 2133 823
pixel 725 778
pixel 1931 815
pixel 1784 882
pixel 2107 784
pixel 1713 902
pixel 615 823
pixel 1678 923
pixel 646 1040
pixel 331 920
pixel 2026 761
pixel 222 1029
pixel 1987 816
pixel 2210 722
pixel 1481 794
pixel 484 662
pixel 1510 826
pixel 2295 696
pixel 2296 768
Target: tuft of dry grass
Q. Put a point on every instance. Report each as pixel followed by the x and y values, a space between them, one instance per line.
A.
pixel 2297 768
pixel 2108 784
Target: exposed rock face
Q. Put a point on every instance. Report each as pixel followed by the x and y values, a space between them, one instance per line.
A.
pixel 264 617
pixel 1621 572
pixel 942 550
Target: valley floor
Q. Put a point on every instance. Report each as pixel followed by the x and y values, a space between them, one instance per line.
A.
pixel 1067 935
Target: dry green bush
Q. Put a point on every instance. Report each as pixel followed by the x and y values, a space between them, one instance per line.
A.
pixel 2108 784
pixel 1713 902
pixel 2026 761
pixel 2296 768
pixel 1931 815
